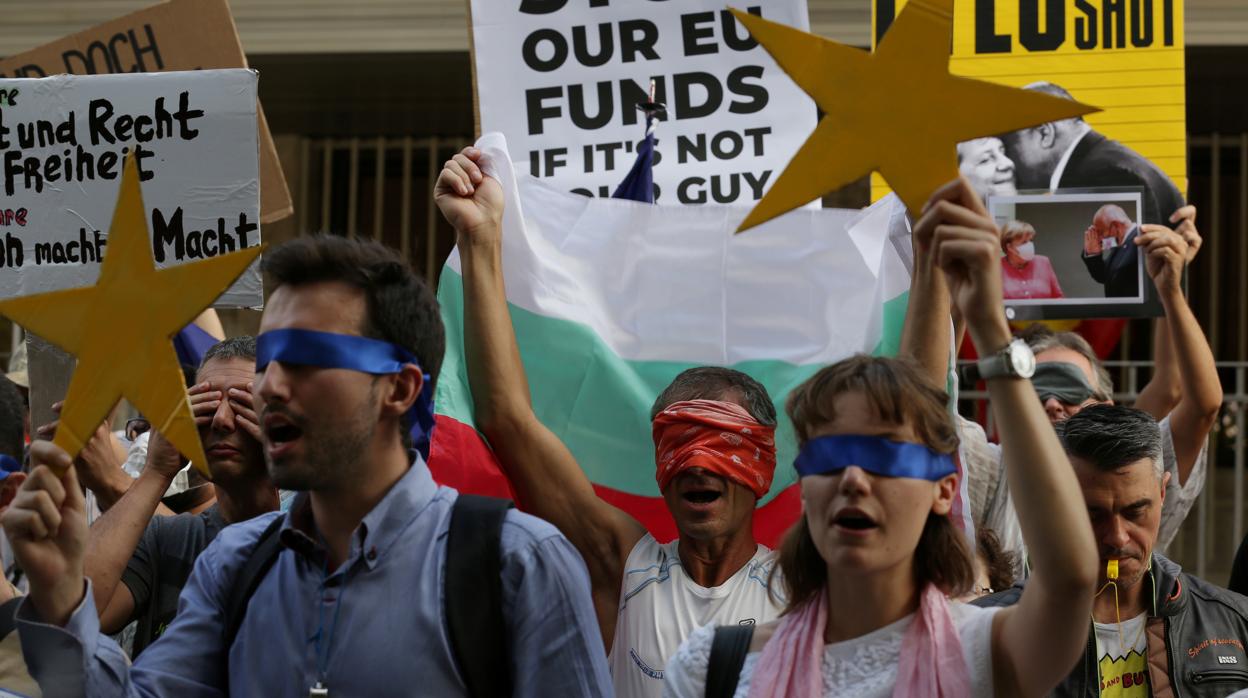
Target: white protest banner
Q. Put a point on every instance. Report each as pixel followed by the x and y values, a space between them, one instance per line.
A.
pixel 562 80
pixel 167 36
pixel 63 144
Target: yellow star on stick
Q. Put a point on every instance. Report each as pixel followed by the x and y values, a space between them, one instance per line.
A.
pixel 898 111
pixel 122 329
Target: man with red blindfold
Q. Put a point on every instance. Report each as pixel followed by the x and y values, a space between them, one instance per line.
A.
pixel 714 451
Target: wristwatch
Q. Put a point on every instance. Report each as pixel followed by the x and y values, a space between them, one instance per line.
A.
pixel 1016 360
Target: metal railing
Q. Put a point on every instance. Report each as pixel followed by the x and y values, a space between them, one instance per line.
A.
pixel 1218 169
pixel 378 187
pixel 1208 539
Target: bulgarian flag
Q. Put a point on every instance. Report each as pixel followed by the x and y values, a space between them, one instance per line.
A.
pixel 611 299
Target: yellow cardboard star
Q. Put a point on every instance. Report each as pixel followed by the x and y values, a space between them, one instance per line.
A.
pixel 122 329
pixel 898 111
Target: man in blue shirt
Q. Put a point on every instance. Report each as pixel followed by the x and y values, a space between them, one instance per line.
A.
pixel 353 604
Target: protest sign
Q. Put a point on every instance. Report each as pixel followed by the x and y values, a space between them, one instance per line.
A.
pixel 562 80
pixel 63 142
pixel 174 35
pixel 1124 57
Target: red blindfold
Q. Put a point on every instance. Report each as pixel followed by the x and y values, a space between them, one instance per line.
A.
pixel 719 437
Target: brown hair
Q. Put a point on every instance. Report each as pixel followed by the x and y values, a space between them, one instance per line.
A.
pixel 998 561
pixel 898 393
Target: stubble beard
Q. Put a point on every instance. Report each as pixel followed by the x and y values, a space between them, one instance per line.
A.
pixel 329 456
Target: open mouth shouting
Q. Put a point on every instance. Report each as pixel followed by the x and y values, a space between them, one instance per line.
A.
pixel 853 521
pixel 700 492
pixel 281 433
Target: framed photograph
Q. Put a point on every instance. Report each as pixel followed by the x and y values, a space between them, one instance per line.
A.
pixel 1072 254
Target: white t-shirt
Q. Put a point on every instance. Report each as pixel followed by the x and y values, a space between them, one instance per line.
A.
pixel 865 667
pixel 994 508
pixel 660 606
pixel 1123 658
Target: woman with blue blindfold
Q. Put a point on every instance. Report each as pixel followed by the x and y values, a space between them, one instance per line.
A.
pixel 870 568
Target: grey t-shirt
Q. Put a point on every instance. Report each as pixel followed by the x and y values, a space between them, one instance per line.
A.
pixel 160 566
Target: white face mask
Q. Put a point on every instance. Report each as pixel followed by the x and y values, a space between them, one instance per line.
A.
pixel 1027 251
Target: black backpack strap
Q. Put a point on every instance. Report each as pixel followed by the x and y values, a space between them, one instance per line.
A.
pixel 474 594
pixel 8 614
pixel 258 564
pixel 728 650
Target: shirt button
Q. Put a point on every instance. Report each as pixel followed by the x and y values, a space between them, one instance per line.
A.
pixel 372 553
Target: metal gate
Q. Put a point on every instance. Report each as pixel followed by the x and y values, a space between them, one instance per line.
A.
pixel 380 188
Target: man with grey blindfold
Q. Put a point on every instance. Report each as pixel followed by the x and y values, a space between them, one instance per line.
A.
pixel 1184 393
pixel 1065 383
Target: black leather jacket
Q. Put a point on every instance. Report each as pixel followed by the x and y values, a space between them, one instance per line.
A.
pixel 1196 635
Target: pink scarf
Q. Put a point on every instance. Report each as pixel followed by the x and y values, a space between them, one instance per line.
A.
pixel 931 664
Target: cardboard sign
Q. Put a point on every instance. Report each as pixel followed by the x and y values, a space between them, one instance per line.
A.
pixel 63 142
pixel 1124 57
pixel 562 79
pixel 174 35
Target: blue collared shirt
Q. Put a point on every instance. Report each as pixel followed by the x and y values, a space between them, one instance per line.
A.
pixel 390 638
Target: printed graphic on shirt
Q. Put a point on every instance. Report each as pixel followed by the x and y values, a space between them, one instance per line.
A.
pixel 645 668
pixel 1121 650
pixel 1124 677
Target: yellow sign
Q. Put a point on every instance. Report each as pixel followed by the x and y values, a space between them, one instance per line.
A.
pixel 121 329
pixel 1124 56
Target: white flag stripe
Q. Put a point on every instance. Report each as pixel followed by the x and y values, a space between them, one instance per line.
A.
pixel 675 283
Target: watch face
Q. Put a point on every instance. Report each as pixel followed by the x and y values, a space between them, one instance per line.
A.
pixel 1022 359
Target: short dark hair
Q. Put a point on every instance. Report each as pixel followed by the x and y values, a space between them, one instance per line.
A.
pixel 712 383
pixel 401 307
pixel 1112 436
pixel 12 420
pixel 241 347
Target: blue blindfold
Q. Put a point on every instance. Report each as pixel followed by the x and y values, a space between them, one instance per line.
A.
pixel 329 350
pixel 828 455
pixel 8 466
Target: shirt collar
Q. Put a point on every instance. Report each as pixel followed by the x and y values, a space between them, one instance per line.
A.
pixel 379 529
pixel 1061 164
